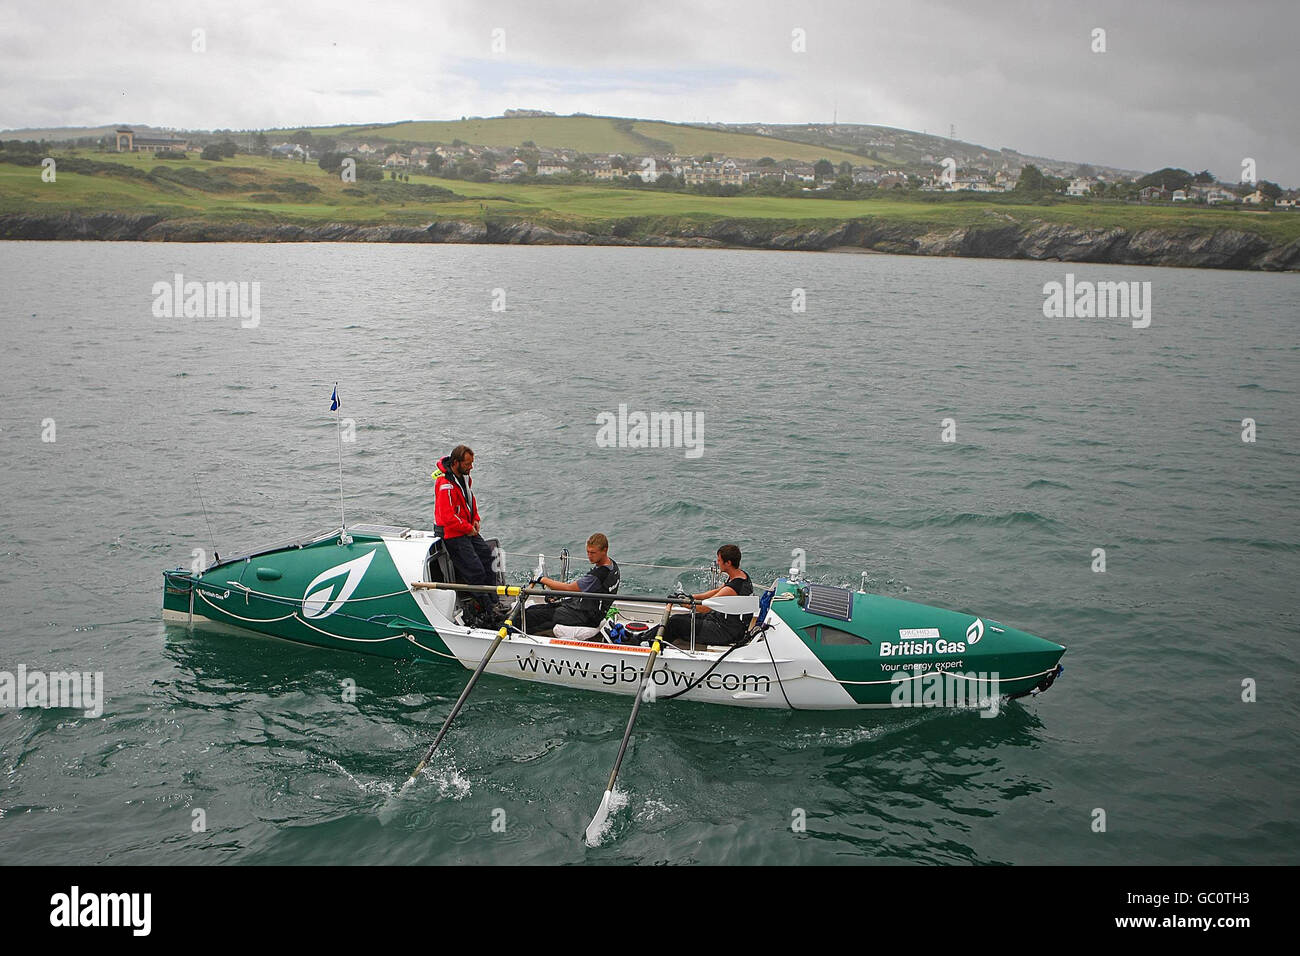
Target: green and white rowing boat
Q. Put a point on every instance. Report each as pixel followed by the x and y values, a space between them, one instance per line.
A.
pixel 390 591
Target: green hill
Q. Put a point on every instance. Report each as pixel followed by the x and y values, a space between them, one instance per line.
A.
pixel 597 134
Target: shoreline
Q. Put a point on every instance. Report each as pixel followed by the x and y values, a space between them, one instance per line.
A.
pixel 1185 247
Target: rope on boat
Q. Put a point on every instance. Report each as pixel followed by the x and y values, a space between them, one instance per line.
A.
pixel 920 674
pixel 453 657
pixel 251 620
pixel 294 615
pixel 358 640
pixel 282 599
pixel 462 660
pixel 338 637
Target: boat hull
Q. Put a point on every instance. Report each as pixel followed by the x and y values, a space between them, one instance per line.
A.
pixel 354 593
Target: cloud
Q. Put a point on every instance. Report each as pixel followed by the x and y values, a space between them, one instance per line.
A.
pixel 1177 85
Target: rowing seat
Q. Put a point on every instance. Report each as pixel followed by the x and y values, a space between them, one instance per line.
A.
pixel 439 568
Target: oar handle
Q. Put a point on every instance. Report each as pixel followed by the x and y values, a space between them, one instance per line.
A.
pixel 636 707
pixel 511 590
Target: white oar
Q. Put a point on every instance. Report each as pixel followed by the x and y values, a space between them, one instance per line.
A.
pixel 597 823
pixel 478 672
pixel 602 812
pixel 734 604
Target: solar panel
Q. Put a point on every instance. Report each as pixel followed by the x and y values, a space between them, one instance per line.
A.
pixel 386 530
pixel 830 602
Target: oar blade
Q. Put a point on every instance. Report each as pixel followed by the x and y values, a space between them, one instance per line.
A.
pixel 388 811
pixel 598 823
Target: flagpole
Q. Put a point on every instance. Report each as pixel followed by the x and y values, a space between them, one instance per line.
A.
pixel 338 429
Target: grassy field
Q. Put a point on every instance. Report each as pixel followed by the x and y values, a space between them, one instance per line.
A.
pixel 248 193
pixel 598 134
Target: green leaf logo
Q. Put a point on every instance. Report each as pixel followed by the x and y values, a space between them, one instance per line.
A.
pixel 316 601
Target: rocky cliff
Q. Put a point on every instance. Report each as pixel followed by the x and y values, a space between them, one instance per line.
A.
pixel 1211 249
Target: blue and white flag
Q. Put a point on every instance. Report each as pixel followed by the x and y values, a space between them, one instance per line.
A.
pixel 334 400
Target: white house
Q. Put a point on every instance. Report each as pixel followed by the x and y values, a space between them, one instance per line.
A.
pixel 511 169
pixel 1180 195
pixel 289 151
pixel 974 184
pixel 1079 187
pixel 1254 199
pixel 648 168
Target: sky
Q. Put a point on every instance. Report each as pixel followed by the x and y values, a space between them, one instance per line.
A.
pixel 1190 83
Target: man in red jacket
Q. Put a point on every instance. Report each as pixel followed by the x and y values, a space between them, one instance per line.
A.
pixel 455 513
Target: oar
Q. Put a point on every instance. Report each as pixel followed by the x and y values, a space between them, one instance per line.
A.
pixel 478 672
pixel 602 812
pixel 512 590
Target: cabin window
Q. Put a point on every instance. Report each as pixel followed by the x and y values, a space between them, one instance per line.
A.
pixel 833 635
pixel 825 634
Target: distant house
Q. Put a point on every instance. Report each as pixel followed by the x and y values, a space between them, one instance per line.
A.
pixel 1284 203
pixel 1079 187
pixel 1214 197
pixel 395 160
pixel 649 168
pixel 973 184
pixel 129 142
pixel 511 170
pixel 892 181
pixel 289 151
pixel 1254 199
pixel 551 169
pixel 725 173
pixel 1153 194
pixel 1180 195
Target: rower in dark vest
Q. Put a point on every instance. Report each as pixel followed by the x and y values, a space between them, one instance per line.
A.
pixel 603 578
pixel 713 627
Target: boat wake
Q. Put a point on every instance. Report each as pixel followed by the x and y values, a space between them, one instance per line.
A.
pixel 849 736
pixel 374 786
pixel 653 810
pixel 451 783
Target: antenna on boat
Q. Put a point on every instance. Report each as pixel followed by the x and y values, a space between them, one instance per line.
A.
pixel 211 536
pixel 335 405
